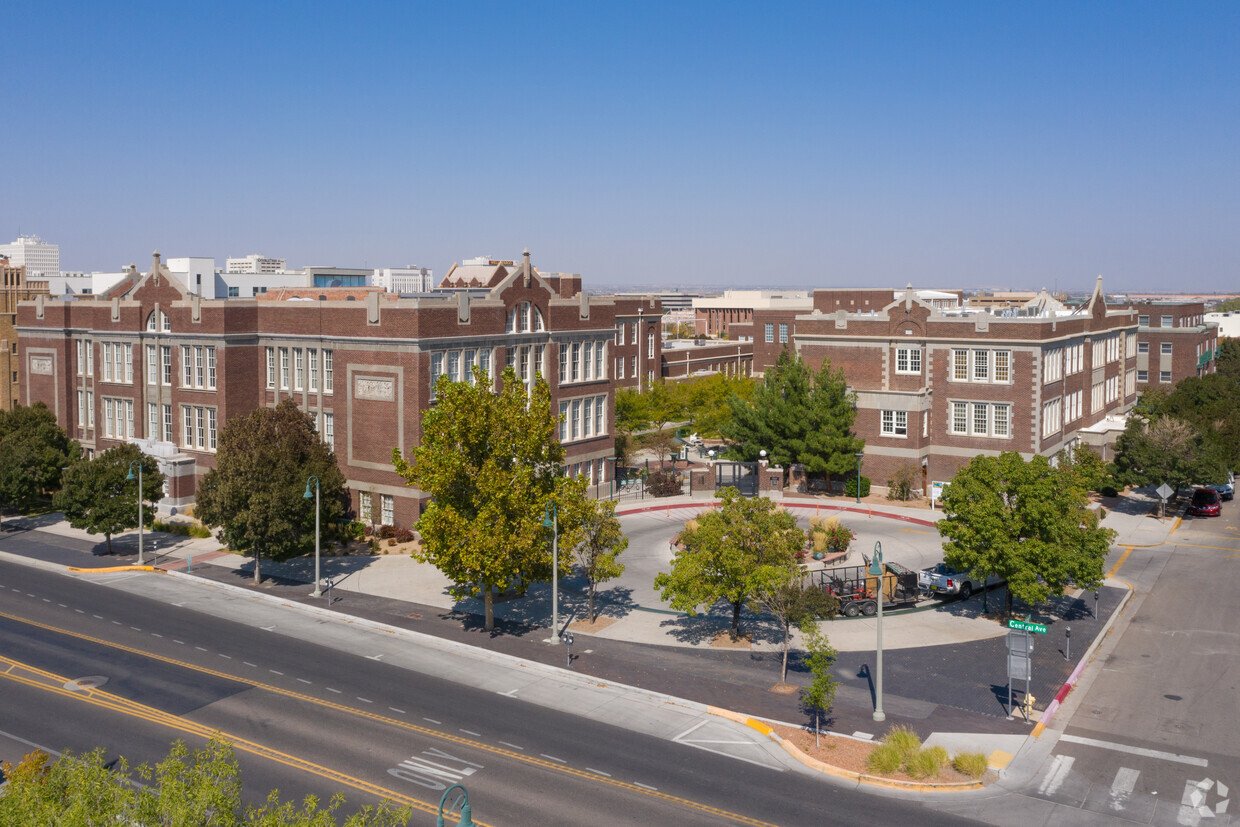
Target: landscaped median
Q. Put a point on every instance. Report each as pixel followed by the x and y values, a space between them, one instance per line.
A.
pixel 799 753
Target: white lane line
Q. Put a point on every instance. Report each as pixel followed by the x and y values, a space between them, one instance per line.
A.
pixel 156 634
pixel 693 728
pixel 514 746
pixel 1142 751
pixel 365 700
pixel 62 605
pixel 247 663
pixel 174 640
pixel 274 672
pixel 398 711
pixel 337 691
pixel 511 693
pixel 116 623
pixel 471 732
pixel 97 617
pixel 432 720
pixel 45 600
pixel 28 594
pixel 600 772
pixel 303 680
pixel 79 611
pixel 552 758
pixel 1123 785
pixel 645 786
pixel 200 649
pixel 227 657
pixel 135 628
pixel 1055 777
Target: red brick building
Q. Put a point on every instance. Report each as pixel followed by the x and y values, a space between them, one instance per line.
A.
pixel 938 384
pixel 148 362
pixel 1173 342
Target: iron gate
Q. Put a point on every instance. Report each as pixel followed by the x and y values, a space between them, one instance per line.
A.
pixel 743 476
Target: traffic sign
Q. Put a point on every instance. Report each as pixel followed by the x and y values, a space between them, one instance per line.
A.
pixel 1018 668
pixel 1027 626
pixel 1164 491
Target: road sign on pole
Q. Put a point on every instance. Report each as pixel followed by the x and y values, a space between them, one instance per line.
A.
pixel 1026 626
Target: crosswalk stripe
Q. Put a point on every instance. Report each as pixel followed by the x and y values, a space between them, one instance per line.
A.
pixel 1123 785
pixel 1148 753
pixel 1057 774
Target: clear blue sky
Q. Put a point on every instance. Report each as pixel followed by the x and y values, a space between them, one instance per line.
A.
pixel 818 144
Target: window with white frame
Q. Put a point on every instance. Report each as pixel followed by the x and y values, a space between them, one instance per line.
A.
pixel 81 357
pixel 649 345
pixel 1167 321
pixel 1130 383
pixel 284 371
pixel 1143 375
pixel 975 365
pixel 453 358
pixel 981 365
pixel 90 358
pixel 1164 376
pixel 1072 407
pixel 200 368
pixel 152 365
pixel 908 360
pixel 327 371
pixel 563 348
pixel 187 366
pixel 1143 321
pixel 1095 397
pixel 894 423
pixel 981 419
pixel 587 417
pixel 563 422
pixel 312 362
pixel 960 364
pixel 587 361
pixel 575 373
pixel 600 371
pixel 1075 358
pixel 620 334
pixel 1052 365
pixel 633 366
pixel 152 420
pixel 387 509
pixel 619 367
pixel 1165 348
pixel 1052 416
pixel 365 511
pixel 437 370
pixel 329 428
pixel 299 368
pixel 211 366
pixel 1001 420
pixel 575 431
pixel 271 367
pixel 770 331
pixel 783 334
pixel 109 416
pixel 960 417
pixel 106 352
pixel 167 411
pixel 600 422
pixel 1112 388
pixel 1143 347
pixel 211 429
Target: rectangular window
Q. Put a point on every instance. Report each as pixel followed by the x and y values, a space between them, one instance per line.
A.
pixel 1164 376
pixel 81 408
pixel 576 431
pixel 587 418
pixel 1167 321
pixel 436 371
pixel 211 367
pixel 539 354
pixel 299 369
pixel 960 417
pixel 107 362
pixel 563 363
pixel 587 363
pixel 454 365
pixel 1002 414
pixel 199 367
pixel 783 333
pixel 365 512
pixel 633 366
pixel 619 367
pixel 90 358
pixel 510 357
pixel 387 505
pixel 1143 347
pixel 563 422
pixel 187 366
pixel 600 425
pixel 649 345
pixel 152 365
pixel 484 362
pixel 576 362
pixel 600 371
pixel 81 360
pixel 108 417
pixel 284 369
pixel 620 334
pixel 128 418
pixel 126 353
pixel 188 434
pixel 908 360
pixel 327 371
pixel 1143 321
pixel 1143 376
pixel 167 423
pixel 980 419
pixel 960 364
pixel 1165 348
pixel 895 423
pixel 211 429
pixel 152 420
pixel 329 429
pixel 312 359
pixel 981 366
pixel 770 331
pixel 271 367
pixel 199 419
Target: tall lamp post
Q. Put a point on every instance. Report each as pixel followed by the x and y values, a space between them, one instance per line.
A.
pixel 318 591
pixel 552 521
pixel 138 462
pixel 859 455
pixel 876 569
pixel 463 800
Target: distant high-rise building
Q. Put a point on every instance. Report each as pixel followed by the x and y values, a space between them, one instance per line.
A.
pixel 41 260
pixel 254 264
pixel 409 279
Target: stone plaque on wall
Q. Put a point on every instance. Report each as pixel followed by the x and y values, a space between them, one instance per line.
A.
pixel 41 365
pixel 381 390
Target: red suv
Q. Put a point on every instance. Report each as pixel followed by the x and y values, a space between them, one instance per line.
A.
pixel 1205 503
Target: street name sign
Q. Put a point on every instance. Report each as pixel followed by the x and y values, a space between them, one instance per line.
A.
pixel 1027 626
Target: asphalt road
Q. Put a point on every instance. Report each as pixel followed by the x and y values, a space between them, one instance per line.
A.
pixel 316 719
pixel 1156 737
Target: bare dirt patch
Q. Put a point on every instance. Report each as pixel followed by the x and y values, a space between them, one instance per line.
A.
pixel 785 688
pixel 600 623
pixel 724 640
pixel 851 754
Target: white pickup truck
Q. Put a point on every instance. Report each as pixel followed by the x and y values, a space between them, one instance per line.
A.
pixel 943 579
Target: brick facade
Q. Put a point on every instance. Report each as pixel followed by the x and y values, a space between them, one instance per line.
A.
pixel 1173 342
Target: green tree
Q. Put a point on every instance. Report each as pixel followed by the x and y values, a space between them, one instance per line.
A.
pixel 706 400
pixel 664 403
pixel 1228 358
pixel 743 548
pixel 1088 466
pixel 1211 404
pixel 597 542
pixel 1228 306
pixel 819 655
pixel 256 493
pixel 33 451
pixel 200 788
pixel 793 602
pixel 1026 522
pixel 97 496
pixel 631 413
pixel 491 462
pixel 1166 450
pixel 798 416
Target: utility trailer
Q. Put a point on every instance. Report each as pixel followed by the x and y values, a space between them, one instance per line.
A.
pixel 857 590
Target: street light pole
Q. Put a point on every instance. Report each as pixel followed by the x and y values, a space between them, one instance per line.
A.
pixel 859 456
pixel 462 800
pixel 138 462
pixel 876 568
pixel 552 521
pixel 318 591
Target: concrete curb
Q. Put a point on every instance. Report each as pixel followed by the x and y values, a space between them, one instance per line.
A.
pixel 1088 657
pixel 839 772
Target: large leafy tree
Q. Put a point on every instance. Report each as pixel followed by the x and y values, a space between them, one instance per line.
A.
pixel 199 787
pixel 1026 522
pixel 706 400
pixel 491 462
pixel 33 451
pixel 1228 358
pixel 794 602
pixel 1165 450
pixel 743 548
pixel 797 416
pixel 256 494
pixel 1211 404
pixel 598 541
pixel 97 496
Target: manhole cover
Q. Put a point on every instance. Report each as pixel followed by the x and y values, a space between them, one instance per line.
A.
pixel 85 684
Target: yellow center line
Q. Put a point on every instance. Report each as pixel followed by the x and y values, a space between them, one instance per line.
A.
pixel 1120 561
pixel 917 531
pixel 432 733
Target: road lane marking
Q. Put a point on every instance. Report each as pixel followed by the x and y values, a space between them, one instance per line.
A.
pixel 365 700
pixel 432 720
pixel 1055 776
pixel 471 732
pixel 514 746
pixel 337 691
pixel 200 649
pixel 1119 562
pixel 552 758
pixel 1123 785
pixel 249 746
pixel 1216 548
pixel 1142 751
pixel 156 634
pixel 274 672
pixel 394 709
pixel 247 663
pixel 600 772
pixel 303 680
pixel 226 657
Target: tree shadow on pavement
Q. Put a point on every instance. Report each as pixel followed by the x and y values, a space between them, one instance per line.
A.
pixel 702 628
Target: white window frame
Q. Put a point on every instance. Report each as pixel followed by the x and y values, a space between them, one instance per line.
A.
pixel 893 423
pixel 908 360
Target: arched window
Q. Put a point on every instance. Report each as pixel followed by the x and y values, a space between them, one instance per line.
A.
pixel 150 321
pixel 538 320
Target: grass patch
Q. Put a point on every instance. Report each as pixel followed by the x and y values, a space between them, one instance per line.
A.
pixel 885 760
pixel 972 764
pixel 922 764
pixel 183 529
pixel 903 740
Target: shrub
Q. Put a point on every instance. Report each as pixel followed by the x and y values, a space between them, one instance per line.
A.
pixel 850 486
pixel 402 535
pixel 1109 491
pixel 900 485
pixel 663 484
pixel 904 740
pixel 182 529
pixel 884 760
pixel 972 764
pixel 354 530
pixel 941 758
pixel 923 764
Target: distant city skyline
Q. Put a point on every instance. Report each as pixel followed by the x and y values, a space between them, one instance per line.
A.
pixel 738 145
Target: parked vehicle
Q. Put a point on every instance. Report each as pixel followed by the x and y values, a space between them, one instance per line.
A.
pixel 1227 489
pixel 1205 503
pixel 943 579
pixel 857 590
